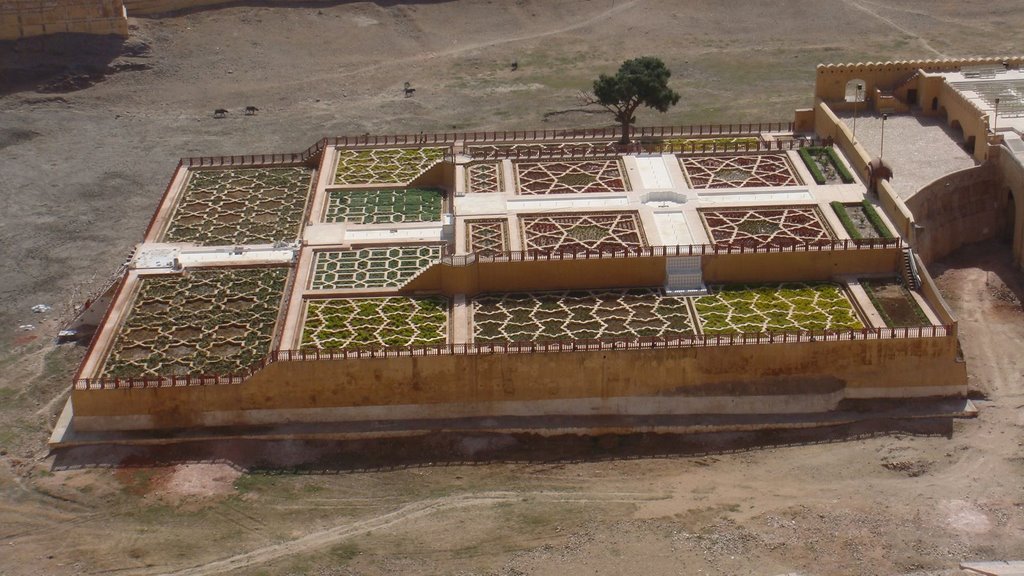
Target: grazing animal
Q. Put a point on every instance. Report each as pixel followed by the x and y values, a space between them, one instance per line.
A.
pixel 515 65
pixel 220 113
pixel 409 90
pixel 251 110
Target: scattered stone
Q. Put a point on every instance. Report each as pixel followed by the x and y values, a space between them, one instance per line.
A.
pixel 41 308
pixel 27 327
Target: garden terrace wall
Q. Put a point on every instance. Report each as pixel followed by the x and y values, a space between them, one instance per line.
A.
pixel 559 383
pixel 471 275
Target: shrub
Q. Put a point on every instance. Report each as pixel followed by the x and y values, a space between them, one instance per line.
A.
pixel 812 165
pixel 840 209
pixel 876 220
pixel 844 174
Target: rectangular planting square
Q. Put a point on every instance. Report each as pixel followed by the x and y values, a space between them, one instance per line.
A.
pixel 385 165
pixel 570 177
pixel 344 323
pixel 484 178
pixel 894 303
pixel 761 308
pixel 240 206
pixel 487 236
pixel 782 227
pixel 579 315
pixel 384 267
pixel 388 206
pixel 739 171
pixel 198 323
pixel 582 232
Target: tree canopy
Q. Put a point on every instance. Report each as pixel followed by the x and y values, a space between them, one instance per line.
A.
pixel 639 82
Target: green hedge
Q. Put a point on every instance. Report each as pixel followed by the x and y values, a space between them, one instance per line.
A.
pixel 844 174
pixel 875 220
pixel 840 209
pixel 805 154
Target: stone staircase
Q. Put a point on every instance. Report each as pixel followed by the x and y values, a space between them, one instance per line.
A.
pixel 908 269
pixel 684 276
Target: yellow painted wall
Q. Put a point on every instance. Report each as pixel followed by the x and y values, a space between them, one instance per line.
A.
pixel 857 366
pixel 25 19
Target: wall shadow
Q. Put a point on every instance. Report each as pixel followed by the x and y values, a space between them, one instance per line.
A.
pixel 463 449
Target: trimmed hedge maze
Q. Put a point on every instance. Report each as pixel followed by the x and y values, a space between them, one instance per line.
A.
pixel 385 267
pixel 776 307
pixel 739 171
pixel 577 315
pixel 202 322
pixel 389 206
pixel 570 177
pixel 240 206
pixel 582 232
pixel 342 323
pixel 385 165
pixel 766 227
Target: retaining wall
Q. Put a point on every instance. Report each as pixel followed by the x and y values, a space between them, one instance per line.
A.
pixel 556 383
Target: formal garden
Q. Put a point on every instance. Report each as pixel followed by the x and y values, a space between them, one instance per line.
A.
pixel 385 165
pixel 759 228
pixel 739 171
pixel 201 322
pixel 582 232
pixel 579 315
pixel 240 206
pixel 570 177
pixel 379 267
pixel 345 323
pixel 484 178
pixel 385 206
pixel 738 309
pixel 487 236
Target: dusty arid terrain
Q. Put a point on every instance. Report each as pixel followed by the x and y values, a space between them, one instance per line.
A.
pixel 81 171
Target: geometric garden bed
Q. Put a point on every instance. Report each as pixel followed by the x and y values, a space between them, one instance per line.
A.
pixel 766 227
pixel 738 309
pixel 343 323
pixel 213 321
pixel 240 206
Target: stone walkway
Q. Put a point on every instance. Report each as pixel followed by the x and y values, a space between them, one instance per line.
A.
pixel 919 149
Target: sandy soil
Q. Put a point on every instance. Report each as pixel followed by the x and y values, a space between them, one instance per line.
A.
pixel 83 170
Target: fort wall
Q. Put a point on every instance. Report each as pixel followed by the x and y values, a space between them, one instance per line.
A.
pixel 26 19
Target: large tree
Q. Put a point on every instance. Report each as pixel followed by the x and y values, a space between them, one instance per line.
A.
pixel 640 81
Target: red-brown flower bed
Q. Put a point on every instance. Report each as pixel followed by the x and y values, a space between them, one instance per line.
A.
pixel 767 227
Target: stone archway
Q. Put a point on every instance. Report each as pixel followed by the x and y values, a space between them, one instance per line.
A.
pixel 856 90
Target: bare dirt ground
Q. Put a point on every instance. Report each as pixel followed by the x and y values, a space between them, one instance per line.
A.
pixel 82 172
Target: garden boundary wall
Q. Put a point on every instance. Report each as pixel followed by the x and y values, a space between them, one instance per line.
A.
pixel 28 18
pixel 632 381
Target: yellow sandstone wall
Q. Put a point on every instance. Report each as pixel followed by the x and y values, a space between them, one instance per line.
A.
pixel 493 383
pixel 25 19
pixel 831 81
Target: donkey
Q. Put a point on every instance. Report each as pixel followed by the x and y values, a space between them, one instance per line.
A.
pixel 220 113
pixel 251 110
